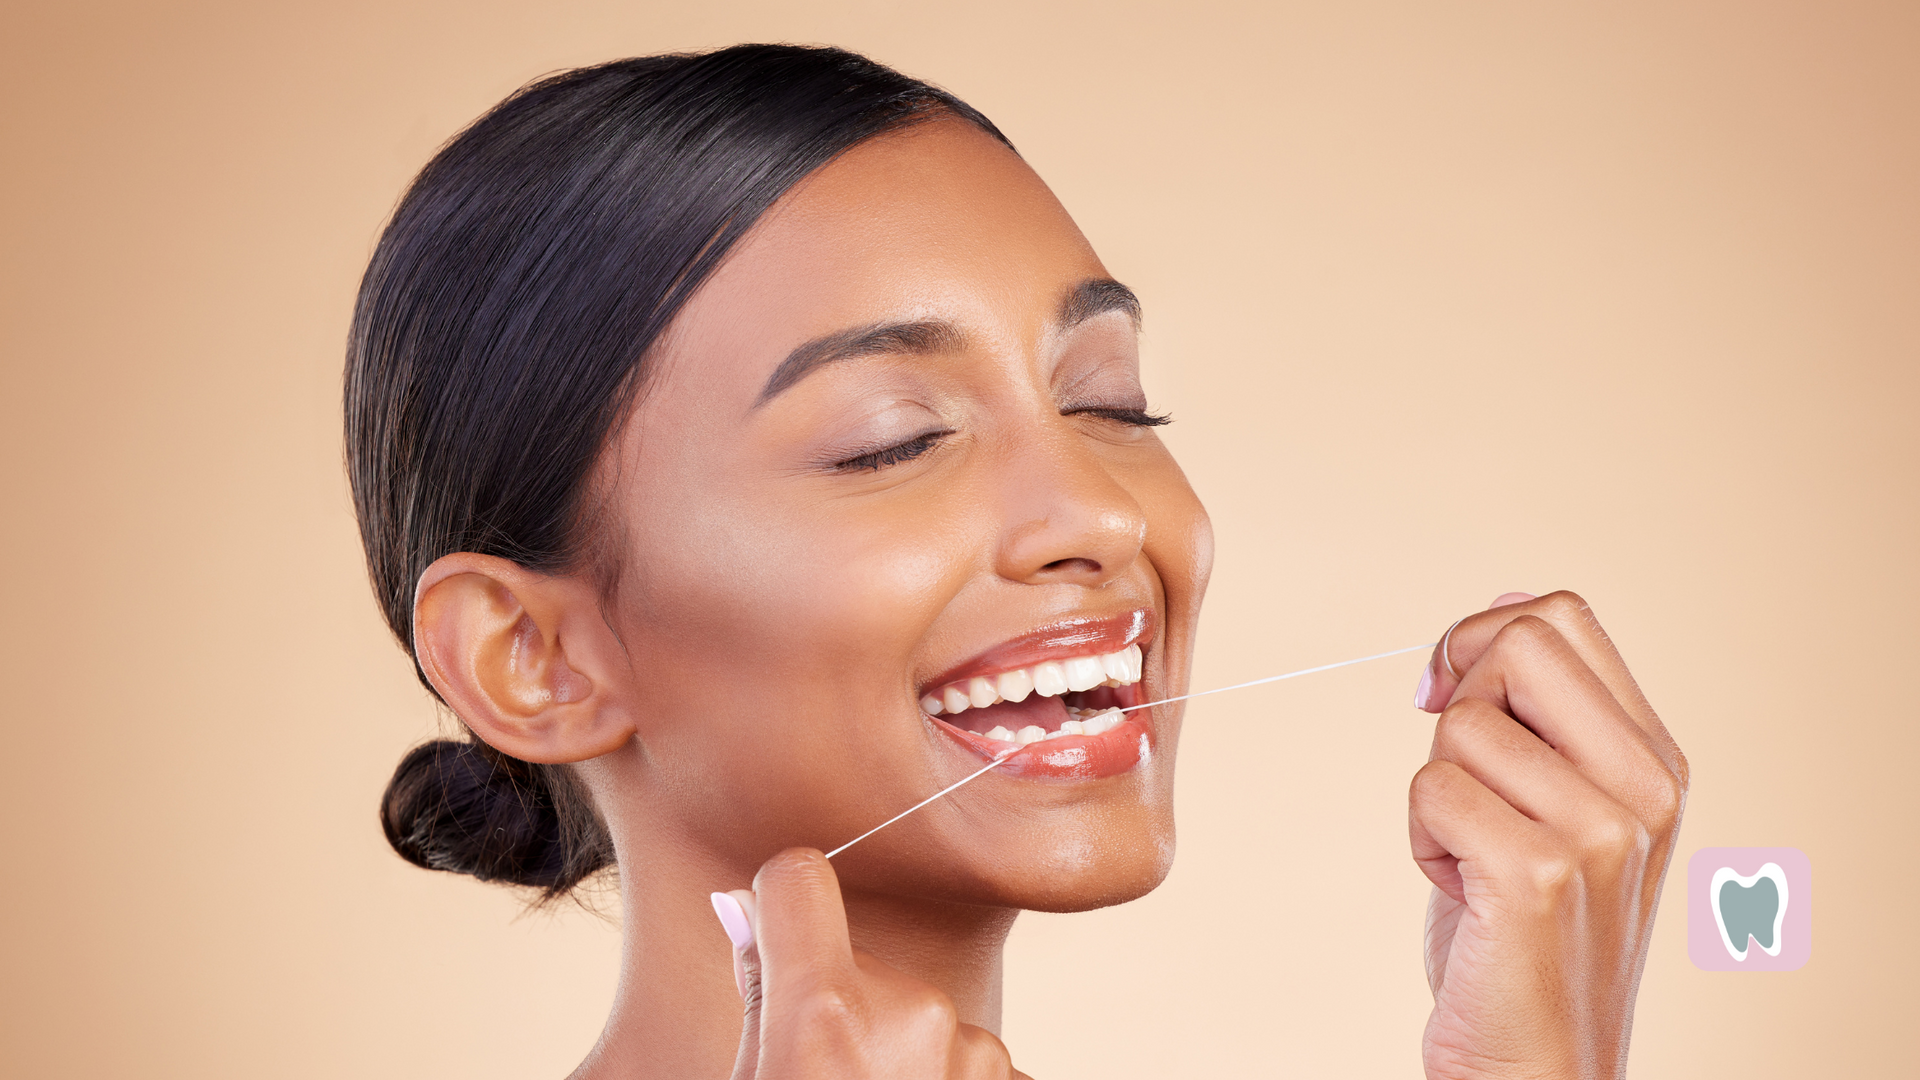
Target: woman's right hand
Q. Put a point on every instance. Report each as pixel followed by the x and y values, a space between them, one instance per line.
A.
pixel 817 1009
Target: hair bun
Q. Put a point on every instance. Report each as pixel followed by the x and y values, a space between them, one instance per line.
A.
pixel 465 807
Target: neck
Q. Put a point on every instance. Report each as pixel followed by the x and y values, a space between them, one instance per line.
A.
pixel 677 1013
pixel 957 947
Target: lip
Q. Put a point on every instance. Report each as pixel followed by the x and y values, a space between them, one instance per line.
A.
pixel 1056 641
pixel 1070 757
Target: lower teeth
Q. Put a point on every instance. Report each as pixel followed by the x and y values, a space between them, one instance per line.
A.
pixel 1084 722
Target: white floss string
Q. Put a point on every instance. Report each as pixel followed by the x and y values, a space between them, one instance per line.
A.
pixel 998 758
pixel 1288 675
pixel 1004 754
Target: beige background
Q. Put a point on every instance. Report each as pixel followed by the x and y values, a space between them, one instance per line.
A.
pixel 1448 299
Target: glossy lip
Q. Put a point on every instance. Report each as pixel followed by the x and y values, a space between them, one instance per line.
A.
pixel 1069 757
pixel 1063 640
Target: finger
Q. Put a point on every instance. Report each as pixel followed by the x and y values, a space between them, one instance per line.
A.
pixel 1532 778
pixel 736 911
pixel 1464 837
pixel 800 927
pixel 978 1054
pixel 1469 639
pixel 1443 920
pixel 1534 674
pixel 1441 672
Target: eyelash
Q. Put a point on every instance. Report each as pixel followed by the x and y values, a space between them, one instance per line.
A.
pixel 892 455
pixel 876 460
pixel 1133 417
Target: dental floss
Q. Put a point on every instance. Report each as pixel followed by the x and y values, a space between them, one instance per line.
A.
pixel 997 759
pixel 1277 678
pixel 1010 751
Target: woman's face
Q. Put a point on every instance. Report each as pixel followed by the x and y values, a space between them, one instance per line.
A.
pixel 892 459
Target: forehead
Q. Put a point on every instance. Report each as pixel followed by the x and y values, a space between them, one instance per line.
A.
pixel 939 221
pixel 941 192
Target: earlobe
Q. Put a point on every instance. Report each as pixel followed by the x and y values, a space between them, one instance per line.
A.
pixel 524 659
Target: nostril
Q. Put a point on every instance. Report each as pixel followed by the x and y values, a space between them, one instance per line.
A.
pixel 1085 566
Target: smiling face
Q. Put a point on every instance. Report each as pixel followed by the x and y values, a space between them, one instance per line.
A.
pixel 894 458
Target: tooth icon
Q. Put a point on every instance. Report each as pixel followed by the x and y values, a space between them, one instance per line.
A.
pixel 1749 909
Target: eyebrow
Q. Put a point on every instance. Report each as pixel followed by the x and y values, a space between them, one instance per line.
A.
pixel 1095 296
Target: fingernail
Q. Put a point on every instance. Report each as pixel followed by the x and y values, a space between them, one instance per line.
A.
pixel 1509 598
pixel 1425 690
pixel 733 919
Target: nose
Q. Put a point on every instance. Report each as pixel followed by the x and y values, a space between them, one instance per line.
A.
pixel 1068 520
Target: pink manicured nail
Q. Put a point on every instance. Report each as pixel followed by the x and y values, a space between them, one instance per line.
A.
pixel 1425 690
pixel 1505 599
pixel 733 919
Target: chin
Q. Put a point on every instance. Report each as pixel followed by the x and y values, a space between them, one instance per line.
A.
pixel 1088 876
pixel 1077 868
pixel 1075 862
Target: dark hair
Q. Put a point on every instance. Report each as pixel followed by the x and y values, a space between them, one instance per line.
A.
pixel 500 334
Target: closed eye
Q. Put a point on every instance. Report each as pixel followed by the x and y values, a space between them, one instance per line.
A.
pixel 1133 417
pixel 875 460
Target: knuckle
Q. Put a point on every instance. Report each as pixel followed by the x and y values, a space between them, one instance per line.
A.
pixel 828 1006
pixel 983 1053
pixel 1657 791
pixel 1682 776
pixel 1669 797
pixel 1571 611
pixel 1450 730
pixel 1467 722
pixel 1525 634
pixel 1433 781
pixel 1669 790
pixel 1566 605
pixel 793 868
pixel 934 1006
pixel 1613 840
pixel 1551 876
pixel 929 1013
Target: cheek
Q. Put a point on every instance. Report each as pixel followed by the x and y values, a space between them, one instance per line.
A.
pixel 793 600
pixel 773 647
pixel 868 588
pixel 1179 535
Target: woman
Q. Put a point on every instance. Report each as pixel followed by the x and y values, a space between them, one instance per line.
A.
pixel 747 445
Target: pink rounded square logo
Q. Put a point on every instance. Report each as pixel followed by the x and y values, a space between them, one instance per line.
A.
pixel 1749 908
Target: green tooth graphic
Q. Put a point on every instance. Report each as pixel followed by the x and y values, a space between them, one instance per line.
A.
pixel 1749 909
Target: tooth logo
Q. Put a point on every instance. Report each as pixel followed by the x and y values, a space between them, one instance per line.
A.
pixel 1749 909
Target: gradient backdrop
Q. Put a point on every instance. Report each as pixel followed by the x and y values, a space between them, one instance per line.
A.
pixel 1448 299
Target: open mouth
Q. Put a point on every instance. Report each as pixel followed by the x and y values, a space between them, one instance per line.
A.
pixel 1050 703
pixel 1052 699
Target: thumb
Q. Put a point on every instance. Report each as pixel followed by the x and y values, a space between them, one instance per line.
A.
pixel 801 923
pixel 789 935
pixel 736 910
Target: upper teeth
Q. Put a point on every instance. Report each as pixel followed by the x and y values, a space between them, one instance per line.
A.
pixel 1049 679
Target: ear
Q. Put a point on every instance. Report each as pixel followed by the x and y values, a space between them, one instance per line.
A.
pixel 526 659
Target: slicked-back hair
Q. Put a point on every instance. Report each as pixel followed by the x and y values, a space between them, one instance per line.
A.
pixel 502 331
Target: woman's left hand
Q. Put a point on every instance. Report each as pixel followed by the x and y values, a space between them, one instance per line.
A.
pixel 819 1009
pixel 1545 819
